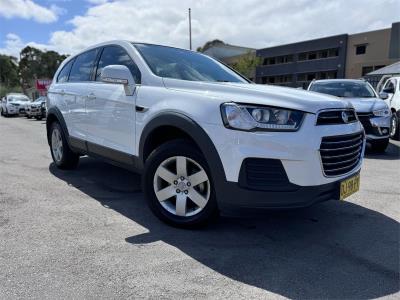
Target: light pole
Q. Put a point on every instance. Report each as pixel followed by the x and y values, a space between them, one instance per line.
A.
pixel 190 29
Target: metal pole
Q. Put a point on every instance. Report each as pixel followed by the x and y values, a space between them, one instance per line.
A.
pixel 190 29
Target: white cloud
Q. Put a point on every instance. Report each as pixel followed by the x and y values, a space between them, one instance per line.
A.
pixel 14 44
pixel 27 9
pixel 252 23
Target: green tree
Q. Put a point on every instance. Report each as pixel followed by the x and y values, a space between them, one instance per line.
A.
pixel 35 64
pixel 246 64
pixel 209 44
pixel 9 79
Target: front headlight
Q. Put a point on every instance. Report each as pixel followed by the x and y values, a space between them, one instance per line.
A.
pixel 381 112
pixel 251 118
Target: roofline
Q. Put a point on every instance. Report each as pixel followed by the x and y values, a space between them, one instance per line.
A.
pixel 306 41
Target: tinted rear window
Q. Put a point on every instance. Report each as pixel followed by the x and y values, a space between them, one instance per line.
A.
pixel 63 75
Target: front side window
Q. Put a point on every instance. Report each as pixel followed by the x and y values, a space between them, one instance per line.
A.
pixel 186 65
pixel 390 84
pixel 82 67
pixel 64 73
pixel 115 55
pixel 344 89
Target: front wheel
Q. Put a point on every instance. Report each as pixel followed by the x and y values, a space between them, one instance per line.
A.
pixel 394 127
pixel 63 156
pixel 178 186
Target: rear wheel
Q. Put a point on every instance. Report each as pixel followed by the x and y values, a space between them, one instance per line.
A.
pixel 379 145
pixel 178 186
pixel 63 156
pixel 394 127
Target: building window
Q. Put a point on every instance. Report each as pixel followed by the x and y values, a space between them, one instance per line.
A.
pixel 366 70
pixel 361 49
pixel 321 54
pixel 284 59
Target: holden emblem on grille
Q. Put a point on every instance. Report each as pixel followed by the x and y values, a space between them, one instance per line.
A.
pixel 345 117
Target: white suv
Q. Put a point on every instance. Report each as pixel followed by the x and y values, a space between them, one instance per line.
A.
pixel 391 94
pixel 206 139
pixel 13 104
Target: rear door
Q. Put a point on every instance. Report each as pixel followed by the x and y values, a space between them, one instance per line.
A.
pixel 57 89
pixel 110 113
pixel 76 92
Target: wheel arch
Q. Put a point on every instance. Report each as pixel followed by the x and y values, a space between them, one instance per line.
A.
pixel 55 115
pixel 183 127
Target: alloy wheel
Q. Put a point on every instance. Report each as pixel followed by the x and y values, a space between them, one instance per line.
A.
pixel 393 126
pixel 182 186
pixel 56 145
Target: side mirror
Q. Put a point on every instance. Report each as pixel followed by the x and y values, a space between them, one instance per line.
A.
pixel 119 74
pixel 383 95
pixel 388 90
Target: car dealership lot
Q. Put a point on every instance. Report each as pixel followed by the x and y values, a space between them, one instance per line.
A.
pixel 88 233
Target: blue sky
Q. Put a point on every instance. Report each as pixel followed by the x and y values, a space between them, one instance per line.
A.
pixel 68 26
pixel 40 32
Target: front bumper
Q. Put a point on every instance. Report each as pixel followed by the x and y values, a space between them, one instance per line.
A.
pixel 34 112
pixel 12 110
pixel 376 128
pixel 299 153
pixel 237 198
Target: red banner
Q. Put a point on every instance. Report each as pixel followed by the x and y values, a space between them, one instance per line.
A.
pixel 42 84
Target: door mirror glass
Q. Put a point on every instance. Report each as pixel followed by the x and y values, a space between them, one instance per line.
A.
pixel 119 74
pixel 383 95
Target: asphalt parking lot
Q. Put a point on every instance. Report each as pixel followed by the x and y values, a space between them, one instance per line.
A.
pixel 88 233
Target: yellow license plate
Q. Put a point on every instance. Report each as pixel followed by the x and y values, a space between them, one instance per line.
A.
pixel 349 186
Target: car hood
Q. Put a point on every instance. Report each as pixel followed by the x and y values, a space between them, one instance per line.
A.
pixel 259 94
pixel 19 102
pixel 365 105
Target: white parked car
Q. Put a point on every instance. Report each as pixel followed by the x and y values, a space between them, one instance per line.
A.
pixel 373 113
pixel 391 94
pixel 37 108
pixel 14 104
pixel 205 138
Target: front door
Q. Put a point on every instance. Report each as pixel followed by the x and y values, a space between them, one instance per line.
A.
pixel 110 113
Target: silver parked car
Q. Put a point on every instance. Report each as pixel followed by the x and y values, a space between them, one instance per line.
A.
pixel 373 112
pixel 37 108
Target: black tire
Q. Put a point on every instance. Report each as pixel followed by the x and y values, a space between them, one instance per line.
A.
pixel 2 113
pixel 395 127
pixel 28 116
pixel 158 156
pixel 68 159
pixel 38 118
pixel 379 145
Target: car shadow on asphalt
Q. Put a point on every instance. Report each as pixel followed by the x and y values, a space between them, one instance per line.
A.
pixel 335 249
pixel 392 152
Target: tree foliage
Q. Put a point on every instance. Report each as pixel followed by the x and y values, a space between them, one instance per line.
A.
pixel 246 64
pixel 209 44
pixel 8 71
pixel 35 64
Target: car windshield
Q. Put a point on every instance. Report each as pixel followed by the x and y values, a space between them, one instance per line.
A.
pixel 186 65
pixel 18 98
pixel 344 89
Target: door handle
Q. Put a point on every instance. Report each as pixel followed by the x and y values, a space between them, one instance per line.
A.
pixel 62 92
pixel 91 96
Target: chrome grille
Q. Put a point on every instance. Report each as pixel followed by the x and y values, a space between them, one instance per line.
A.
pixel 332 117
pixel 341 154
